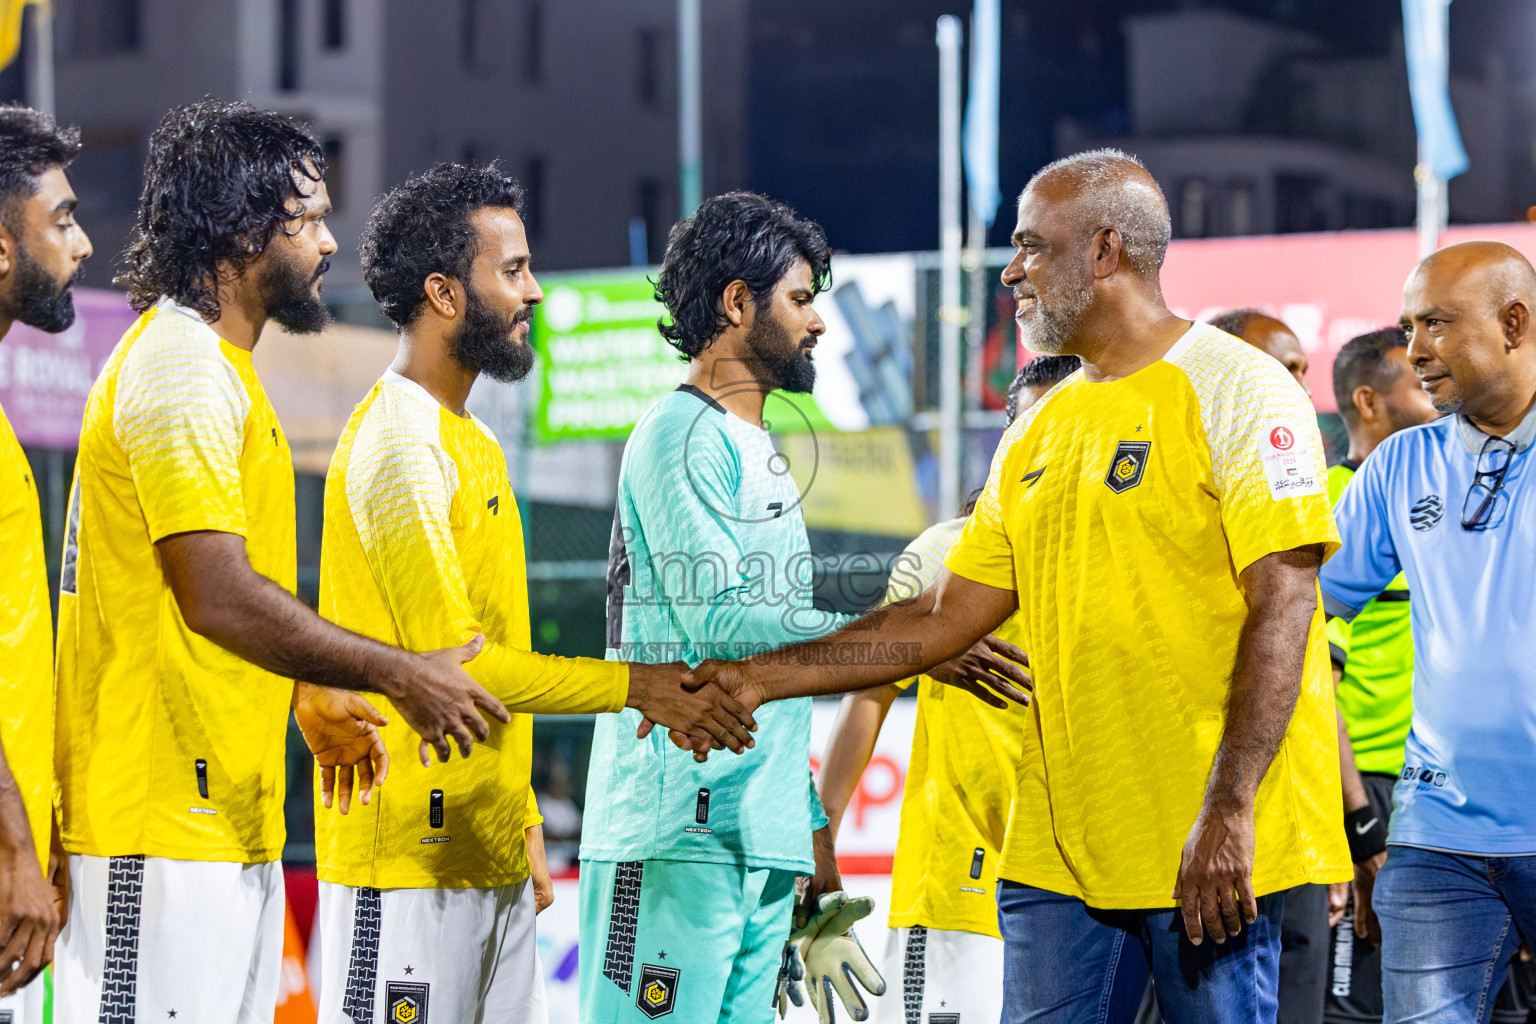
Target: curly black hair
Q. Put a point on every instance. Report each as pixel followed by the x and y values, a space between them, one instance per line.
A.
pixel 219 183
pixel 738 236
pixel 1041 370
pixel 30 144
pixel 422 227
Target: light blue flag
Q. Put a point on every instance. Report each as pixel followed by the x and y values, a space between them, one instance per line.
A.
pixel 981 111
pixel 1426 40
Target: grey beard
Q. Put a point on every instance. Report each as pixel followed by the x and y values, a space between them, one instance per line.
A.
pixel 1051 328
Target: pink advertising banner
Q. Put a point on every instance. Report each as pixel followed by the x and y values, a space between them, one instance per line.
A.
pixel 1327 287
pixel 45 378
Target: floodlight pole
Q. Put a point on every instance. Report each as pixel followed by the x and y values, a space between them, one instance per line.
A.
pixel 689 109
pixel 951 313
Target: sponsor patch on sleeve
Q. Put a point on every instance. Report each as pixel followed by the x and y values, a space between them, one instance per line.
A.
pixel 1288 461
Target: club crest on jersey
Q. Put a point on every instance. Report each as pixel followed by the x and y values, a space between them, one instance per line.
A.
pixel 1129 463
pixel 658 990
pixel 407 1002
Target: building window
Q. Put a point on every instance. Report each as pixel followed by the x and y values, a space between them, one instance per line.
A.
pixel 533 197
pixel 533 44
pixel 1301 202
pixel 334 29
pixel 647 66
pixel 99 28
pixel 287 45
pixel 1240 210
pixel 1192 214
pixel 477 44
pixel 335 149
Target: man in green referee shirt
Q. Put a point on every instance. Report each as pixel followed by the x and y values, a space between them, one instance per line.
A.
pixel 1377 395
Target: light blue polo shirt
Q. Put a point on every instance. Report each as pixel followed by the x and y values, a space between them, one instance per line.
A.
pixel 1468 783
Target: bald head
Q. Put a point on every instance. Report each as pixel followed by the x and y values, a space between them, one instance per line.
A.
pixel 1468 310
pixel 1107 188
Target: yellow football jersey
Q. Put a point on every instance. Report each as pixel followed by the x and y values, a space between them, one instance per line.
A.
pixel 954 806
pixel 1123 513
pixel 26 641
pixel 423 548
pixel 168 745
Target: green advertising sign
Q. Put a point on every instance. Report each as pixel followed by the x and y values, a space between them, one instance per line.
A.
pixel 602 362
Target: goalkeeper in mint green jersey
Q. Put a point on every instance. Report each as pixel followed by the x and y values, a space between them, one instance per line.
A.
pixel 688 870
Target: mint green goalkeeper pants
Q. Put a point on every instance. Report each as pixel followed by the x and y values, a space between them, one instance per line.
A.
pixel 693 941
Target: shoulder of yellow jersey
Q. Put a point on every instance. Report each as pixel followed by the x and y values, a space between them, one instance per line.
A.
pixel 174 364
pixel 1242 392
pixel 398 447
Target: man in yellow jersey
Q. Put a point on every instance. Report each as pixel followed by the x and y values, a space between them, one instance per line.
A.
pixel 1158 522
pixel 41 251
pixel 179 633
pixel 944 944
pixel 423 547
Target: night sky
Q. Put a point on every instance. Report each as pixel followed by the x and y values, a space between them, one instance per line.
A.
pixel 844 95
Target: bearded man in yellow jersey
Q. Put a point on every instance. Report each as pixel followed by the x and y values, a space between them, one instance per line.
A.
pixel 1157 522
pixel 425 902
pixel 179 632
pixel 944 944
pixel 41 251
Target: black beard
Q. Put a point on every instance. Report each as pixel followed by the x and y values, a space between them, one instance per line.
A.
pixel 291 300
pixel 37 300
pixel 484 342
pixel 770 342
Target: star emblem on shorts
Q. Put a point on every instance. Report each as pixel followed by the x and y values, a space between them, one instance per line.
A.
pixel 170 1013
pixel 409 969
pixel 663 954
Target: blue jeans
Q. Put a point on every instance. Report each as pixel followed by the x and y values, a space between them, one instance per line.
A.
pixel 1067 963
pixel 1450 924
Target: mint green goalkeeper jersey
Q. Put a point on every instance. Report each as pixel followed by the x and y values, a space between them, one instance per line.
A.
pixel 1376 650
pixel 709 559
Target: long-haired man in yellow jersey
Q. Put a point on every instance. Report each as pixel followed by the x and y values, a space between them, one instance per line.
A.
pixel 425 903
pixel 180 636
pixel 944 945
pixel 1157 522
pixel 41 251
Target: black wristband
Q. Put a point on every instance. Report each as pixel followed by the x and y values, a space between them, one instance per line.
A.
pixel 1366 832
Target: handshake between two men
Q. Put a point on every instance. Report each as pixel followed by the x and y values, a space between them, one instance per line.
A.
pixel 702 708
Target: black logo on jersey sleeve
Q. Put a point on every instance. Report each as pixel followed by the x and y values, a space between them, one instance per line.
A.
pixel 407 1002
pixel 658 990
pixel 1129 463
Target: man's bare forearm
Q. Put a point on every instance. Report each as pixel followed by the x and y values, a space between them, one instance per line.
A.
pixel 1349 772
pixel 887 645
pixel 15 831
pixel 250 615
pixel 1266 681
pixel 849 750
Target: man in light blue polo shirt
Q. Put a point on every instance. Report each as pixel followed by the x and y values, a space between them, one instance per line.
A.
pixel 1453 505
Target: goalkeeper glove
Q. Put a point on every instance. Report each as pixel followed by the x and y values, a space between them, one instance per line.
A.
pixel 834 959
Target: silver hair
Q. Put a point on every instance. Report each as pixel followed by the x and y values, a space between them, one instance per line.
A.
pixel 1109 193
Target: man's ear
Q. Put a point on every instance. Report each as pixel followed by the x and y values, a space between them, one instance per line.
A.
pixel 7 251
pixel 1365 400
pixel 1516 321
pixel 1106 247
pixel 733 302
pixel 445 296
